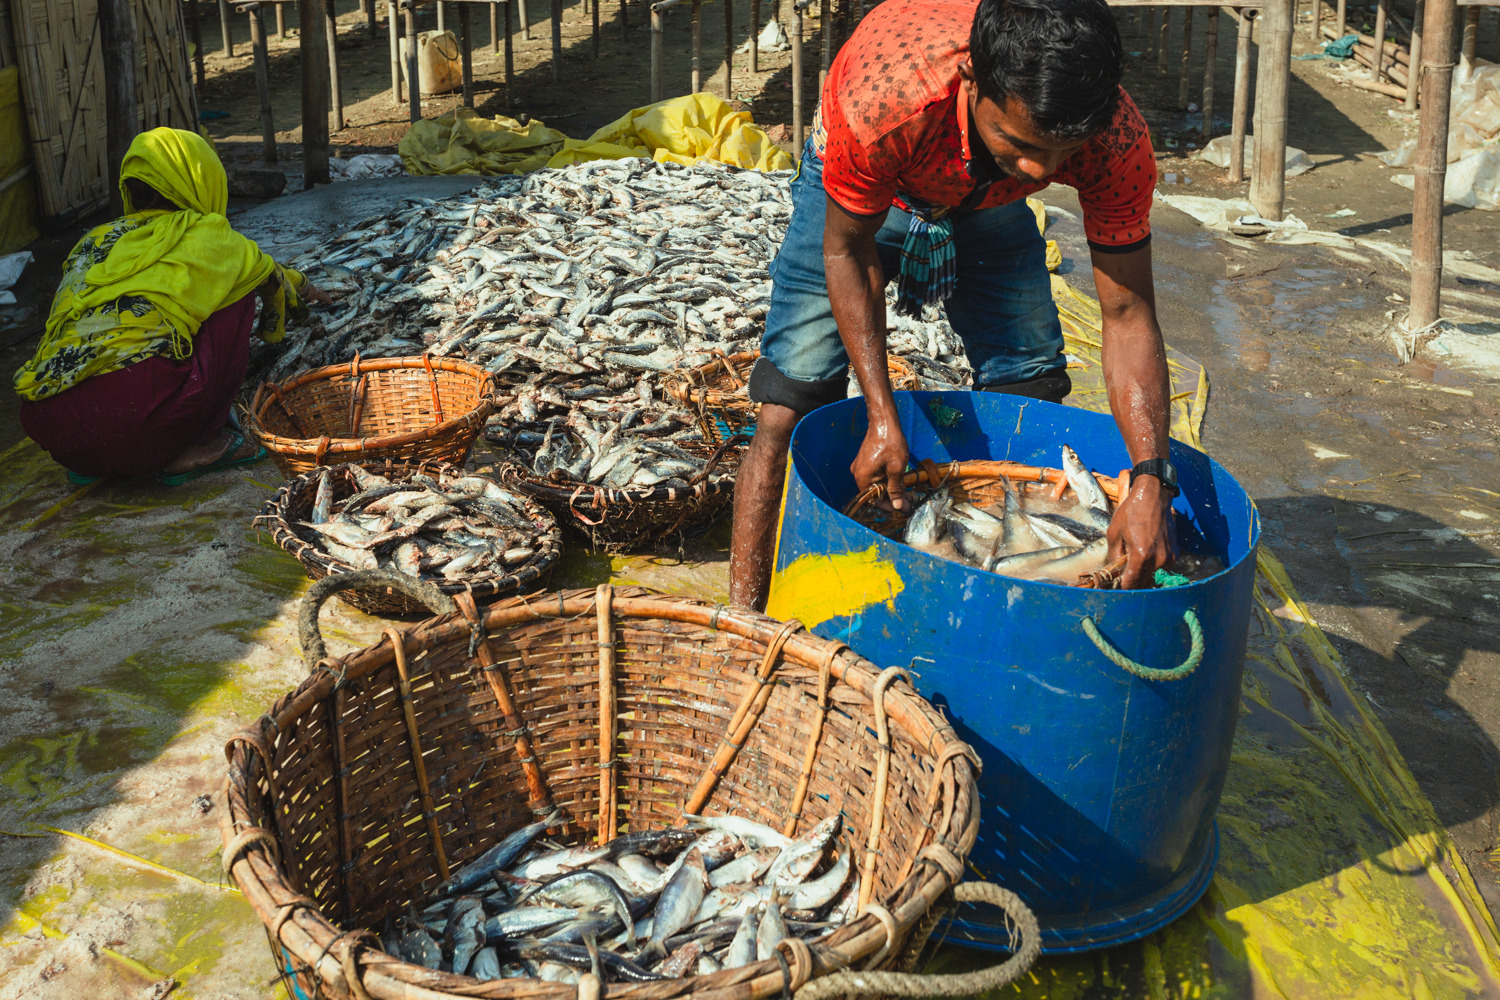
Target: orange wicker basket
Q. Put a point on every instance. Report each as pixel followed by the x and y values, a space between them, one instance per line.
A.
pixel 408 409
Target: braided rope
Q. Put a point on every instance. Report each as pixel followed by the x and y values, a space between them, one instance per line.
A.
pixel 899 984
pixel 1119 659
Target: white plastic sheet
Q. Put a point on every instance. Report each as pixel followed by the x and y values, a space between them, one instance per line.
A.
pixel 1217 153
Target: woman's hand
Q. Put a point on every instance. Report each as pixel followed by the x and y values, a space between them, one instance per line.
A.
pixel 312 293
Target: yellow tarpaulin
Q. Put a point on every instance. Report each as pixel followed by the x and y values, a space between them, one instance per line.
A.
pixel 695 128
pixel 1336 880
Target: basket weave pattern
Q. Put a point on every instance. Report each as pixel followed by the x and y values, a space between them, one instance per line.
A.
pixel 293 503
pixel 323 798
pixel 407 409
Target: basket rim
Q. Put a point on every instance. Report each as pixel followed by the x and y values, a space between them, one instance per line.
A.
pixel 297 925
pixel 343 445
pixel 273 518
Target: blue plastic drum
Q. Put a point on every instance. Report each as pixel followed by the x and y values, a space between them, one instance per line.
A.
pixel 1099 786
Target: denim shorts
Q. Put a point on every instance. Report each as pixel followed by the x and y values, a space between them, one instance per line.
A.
pixel 1001 307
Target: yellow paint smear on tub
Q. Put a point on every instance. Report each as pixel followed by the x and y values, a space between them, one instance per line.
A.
pixel 815 588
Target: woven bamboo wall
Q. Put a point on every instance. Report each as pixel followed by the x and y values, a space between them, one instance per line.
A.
pixel 58 47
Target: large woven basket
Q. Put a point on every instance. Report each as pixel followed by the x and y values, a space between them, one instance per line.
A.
pixel 407 409
pixel 646 517
pixel 330 825
pixel 293 503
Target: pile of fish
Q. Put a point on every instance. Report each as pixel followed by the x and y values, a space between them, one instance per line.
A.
pixel 719 893
pixel 420 527
pixel 1034 538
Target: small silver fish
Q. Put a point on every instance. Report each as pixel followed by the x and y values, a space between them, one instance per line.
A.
pixel 680 899
pixel 1085 486
pixel 742 949
pixel 928 521
pixel 770 932
pixel 323 499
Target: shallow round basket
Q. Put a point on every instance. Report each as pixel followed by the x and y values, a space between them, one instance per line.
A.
pixel 294 501
pixel 330 827
pixel 649 517
pixel 406 409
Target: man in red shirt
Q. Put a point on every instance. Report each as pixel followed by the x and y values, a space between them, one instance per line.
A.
pixel 938 117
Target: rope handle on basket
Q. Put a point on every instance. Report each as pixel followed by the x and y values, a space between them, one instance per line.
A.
pixel 903 984
pixel 729 442
pixel 311 639
pixel 882 778
pixel 1119 659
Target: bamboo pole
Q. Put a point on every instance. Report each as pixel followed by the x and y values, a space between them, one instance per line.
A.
pixel 825 26
pixel 608 784
pixel 1341 21
pixel 557 41
pixel 442 20
pixel 728 50
pixel 368 7
pixel 281 23
pixel 263 81
pixel 1469 45
pixel 335 85
pixel 224 28
pixel 1150 44
pixel 755 36
pixel 658 71
pixel 195 27
pixel 1414 63
pixel 624 22
pixel 494 29
pixel 315 96
pixel 594 13
pixel 697 46
pixel 1431 166
pixel 393 21
pixel 1187 53
pixel 510 60
pixel 1210 55
pixel 1268 183
pixel 413 83
pixel 798 136
pixel 1379 44
pixel 1241 99
pixel 121 115
pixel 414 745
pixel 1164 41
pixel 466 53
pixel 525 15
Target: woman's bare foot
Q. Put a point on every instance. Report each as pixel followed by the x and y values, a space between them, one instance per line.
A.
pixel 199 455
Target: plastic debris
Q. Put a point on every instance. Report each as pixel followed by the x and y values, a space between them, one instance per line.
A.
pixel 772 38
pixel 11 267
pixel 366 165
pixel 1217 152
pixel 1473 178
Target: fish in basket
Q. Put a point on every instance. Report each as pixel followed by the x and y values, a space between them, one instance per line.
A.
pixel 603 792
pixel 1016 520
pixel 427 520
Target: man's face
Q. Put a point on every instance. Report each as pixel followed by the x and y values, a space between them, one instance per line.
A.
pixel 1006 131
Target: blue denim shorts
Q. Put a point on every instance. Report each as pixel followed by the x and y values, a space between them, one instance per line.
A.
pixel 1001 308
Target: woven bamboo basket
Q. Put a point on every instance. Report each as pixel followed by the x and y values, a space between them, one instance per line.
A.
pixel 390 766
pixel 293 503
pixel 649 517
pixel 719 391
pixel 407 409
pixel 982 484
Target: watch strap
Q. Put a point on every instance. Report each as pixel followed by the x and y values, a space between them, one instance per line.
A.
pixel 1160 468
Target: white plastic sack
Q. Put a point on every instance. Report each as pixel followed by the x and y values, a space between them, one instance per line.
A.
pixel 1216 152
pixel 1473 181
pixel 11 266
pixel 366 165
pixel 772 38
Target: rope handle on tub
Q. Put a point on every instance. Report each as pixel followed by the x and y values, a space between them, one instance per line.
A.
pixel 1119 659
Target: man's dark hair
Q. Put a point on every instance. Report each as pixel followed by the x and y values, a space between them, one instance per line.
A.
pixel 1062 59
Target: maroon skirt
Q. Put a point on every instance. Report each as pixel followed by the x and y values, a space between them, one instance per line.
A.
pixel 136 420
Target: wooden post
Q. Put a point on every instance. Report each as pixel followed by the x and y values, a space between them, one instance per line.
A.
pixel 370 18
pixel 1187 56
pixel 466 53
pixel 315 95
pixel 1431 165
pixel 755 36
pixel 1341 21
pixel 224 28
pixel 1241 99
pixel 825 25
pixel 263 81
pixel 1164 41
pixel 510 59
pixel 1268 183
pixel 1414 67
pixel 121 116
pixel 697 46
pixel 494 29
pixel 335 85
pixel 196 26
pixel 1377 63
pixel 525 16
pixel 413 84
pixel 557 41
pixel 728 50
pixel 1210 56
pixel 1470 44
pixel 798 138
pixel 658 80
pixel 392 22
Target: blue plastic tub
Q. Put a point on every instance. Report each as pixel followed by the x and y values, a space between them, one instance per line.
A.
pixel 1099 787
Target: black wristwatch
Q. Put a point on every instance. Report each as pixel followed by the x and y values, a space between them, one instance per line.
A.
pixel 1161 469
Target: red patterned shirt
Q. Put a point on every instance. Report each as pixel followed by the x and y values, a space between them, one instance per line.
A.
pixel 892 123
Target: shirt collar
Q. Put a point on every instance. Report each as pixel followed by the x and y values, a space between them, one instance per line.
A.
pixel 963 123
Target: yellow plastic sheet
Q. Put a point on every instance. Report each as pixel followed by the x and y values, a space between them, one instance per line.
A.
pixel 18 201
pixel 696 128
pixel 1336 880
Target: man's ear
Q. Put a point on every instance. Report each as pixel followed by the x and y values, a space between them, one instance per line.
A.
pixel 966 74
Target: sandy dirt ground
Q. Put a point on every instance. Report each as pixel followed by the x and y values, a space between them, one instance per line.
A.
pixel 139 627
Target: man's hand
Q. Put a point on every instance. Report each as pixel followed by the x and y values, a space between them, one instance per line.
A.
pixel 882 459
pixel 1143 532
